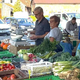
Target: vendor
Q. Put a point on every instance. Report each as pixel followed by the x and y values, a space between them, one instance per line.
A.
pixel 42 26
pixel 70 26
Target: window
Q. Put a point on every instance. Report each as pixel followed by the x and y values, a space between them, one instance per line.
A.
pixel 64 17
pixel 2 0
pixel 59 15
pixel 10 1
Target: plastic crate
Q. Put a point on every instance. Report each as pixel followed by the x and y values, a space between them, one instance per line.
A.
pixel 49 77
pixel 6 54
pixel 38 68
pixel 9 59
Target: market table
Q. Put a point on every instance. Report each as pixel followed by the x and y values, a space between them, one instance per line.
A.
pixel 15 49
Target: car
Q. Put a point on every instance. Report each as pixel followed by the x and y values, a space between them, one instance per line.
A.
pixel 4 28
pixel 64 18
pixel 22 23
pixel 7 20
pixel 77 15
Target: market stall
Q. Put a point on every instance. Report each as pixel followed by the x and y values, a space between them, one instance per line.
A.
pixel 30 62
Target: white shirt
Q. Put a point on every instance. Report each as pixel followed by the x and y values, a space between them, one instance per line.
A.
pixel 55 33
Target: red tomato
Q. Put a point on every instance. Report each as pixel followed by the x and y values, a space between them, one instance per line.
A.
pixel 10 67
pixel 5 78
pixel 13 76
pixel 2 44
pixel 7 68
pixel 8 78
pixel 2 70
pixel 3 65
pixel 13 66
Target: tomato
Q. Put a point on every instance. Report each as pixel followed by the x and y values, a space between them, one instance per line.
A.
pixel 13 66
pixel 8 78
pixel 5 46
pixel 2 70
pixel 5 78
pixel 13 76
pixel 3 64
pixel 7 68
pixel 8 65
pixel 2 44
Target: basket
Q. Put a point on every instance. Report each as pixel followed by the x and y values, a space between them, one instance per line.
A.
pixel 48 77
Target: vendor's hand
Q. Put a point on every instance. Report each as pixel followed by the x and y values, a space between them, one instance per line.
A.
pixel 33 37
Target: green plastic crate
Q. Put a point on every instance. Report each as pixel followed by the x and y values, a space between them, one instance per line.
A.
pixel 49 77
pixel 9 59
pixel 6 54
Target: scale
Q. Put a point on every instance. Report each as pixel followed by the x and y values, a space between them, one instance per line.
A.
pixel 16 39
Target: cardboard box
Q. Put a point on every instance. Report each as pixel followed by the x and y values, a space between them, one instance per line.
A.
pixel 15 49
pixel 19 74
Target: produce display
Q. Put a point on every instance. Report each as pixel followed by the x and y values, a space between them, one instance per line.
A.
pixel 4 62
pixel 4 45
pixel 9 77
pixel 62 64
pixel 39 68
pixel 48 55
pixel 26 56
pixel 22 51
pixel 66 70
pixel 6 67
pixel 70 75
pixel 46 46
pixel 66 57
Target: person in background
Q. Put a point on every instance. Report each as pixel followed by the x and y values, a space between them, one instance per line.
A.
pixel 70 26
pixel 42 26
pixel 67 45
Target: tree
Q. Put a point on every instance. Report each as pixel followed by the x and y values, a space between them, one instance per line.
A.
pixel 17 6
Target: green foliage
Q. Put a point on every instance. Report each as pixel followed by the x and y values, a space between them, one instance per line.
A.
pixel 66 57
pixel 22 51
pixel 17 6
pixel 46 46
